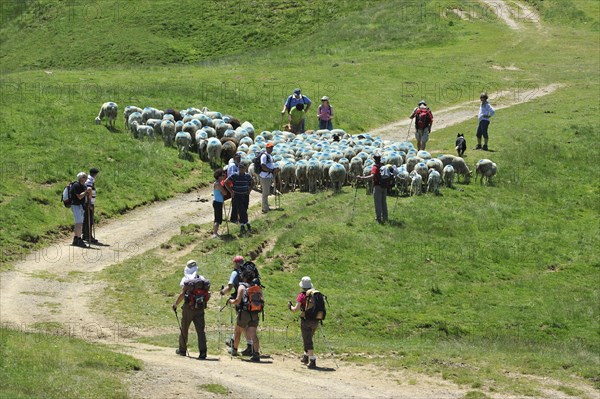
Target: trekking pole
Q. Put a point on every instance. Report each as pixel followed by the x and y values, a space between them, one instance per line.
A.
pixel 327 342
pixel 227 212
pixel 408 133
pixel 89 226
pixel 354 202
pixel 220 313
pixel 187 353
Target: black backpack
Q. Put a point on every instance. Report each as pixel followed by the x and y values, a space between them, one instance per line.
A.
pixel 256 162
pixel 251 267
pixel 315 305
pixel 386 179
pixel 66 195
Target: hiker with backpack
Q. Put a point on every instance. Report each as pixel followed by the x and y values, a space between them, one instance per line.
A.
pixel 296 98
pixel 88 207
pixel 78 194
pixel 249 303
pixel 311 303
pixel 380 187
pixel 240 196
pixel 423 121
pixel 232 286
pixel 195 293
pixel 486 111
pixel 268 169
pixel 325 114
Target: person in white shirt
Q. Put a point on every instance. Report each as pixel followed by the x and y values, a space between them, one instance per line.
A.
pixel 268 170
pixel 485 113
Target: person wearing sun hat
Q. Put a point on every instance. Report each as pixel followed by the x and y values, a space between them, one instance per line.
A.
pixel 192 313
pixel 325 114
pixel 307 327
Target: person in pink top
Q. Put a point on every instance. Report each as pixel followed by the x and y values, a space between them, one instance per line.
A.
pixel 307 327
pixel 325 114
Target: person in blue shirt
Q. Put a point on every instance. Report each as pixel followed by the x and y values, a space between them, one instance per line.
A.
pixel 292 100
pixel 485 113
pixel 240 196
pixel 219 193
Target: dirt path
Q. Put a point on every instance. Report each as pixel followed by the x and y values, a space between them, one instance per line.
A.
pixel 465 111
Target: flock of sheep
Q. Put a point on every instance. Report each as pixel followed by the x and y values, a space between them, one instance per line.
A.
pixel 308 161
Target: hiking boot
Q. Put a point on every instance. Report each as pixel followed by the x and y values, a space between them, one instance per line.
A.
pixel 478 147
pixel 180 352
pixel 229 342
pixel 249 228
pixel 255 357
pixel 484 148
pixel 80 243
pixel 242 230
pixel 247 351
pixel 233 352
pixel 304 359
pixel 312 364
pixel 202 356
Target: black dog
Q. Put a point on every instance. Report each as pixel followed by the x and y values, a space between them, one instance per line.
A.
pixel 461 144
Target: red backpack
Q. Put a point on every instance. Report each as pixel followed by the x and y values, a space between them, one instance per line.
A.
pixel 423 118
pixel 197 293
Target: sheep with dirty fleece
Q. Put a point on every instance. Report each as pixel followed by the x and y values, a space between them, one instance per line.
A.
pixel 433 182
pixel 337 176
pixel 461 169
pixel 416 183
pixel 109 111
pixel 130 109
pixel 183 141
pixel 486 169
pixel 448 176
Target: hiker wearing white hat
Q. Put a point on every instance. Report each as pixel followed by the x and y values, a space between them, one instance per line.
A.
pixel 307 326
pixel 195 293
pixel 325 114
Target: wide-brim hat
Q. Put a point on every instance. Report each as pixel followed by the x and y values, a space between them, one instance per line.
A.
pixel 305 283
pixel 190 268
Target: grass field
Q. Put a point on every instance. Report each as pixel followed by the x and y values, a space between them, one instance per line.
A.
pixel 491 278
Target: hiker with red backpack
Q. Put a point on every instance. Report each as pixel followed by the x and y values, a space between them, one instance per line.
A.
pixel 311 314
pixel 249 304
pixel 423 121
pixel 195 293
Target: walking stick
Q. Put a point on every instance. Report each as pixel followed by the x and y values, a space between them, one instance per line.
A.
pixel 227 215
pixel 187 353
pixel 408 133
pixel 327 342
pixel 354 202
pixel 89 226
pixel 220 314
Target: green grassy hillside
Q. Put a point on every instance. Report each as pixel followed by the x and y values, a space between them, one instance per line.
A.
pixel 494 278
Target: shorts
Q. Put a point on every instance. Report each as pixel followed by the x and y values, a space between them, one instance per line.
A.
pixel 482 129
pixel 77 213
pixel 218 207
pixel 247 319
pixel 422 135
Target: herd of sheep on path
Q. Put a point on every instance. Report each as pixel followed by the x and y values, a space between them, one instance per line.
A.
pixel 308 161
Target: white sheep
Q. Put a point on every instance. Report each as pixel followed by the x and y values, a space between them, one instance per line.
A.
pixel 301 171
pixel 356 168
pixel 287 175
pixel 142 131
pixel 213 149
pixel 183 141
pixel 312 175
pixel 137 118
pixel 487 169
pixel 421 168
pixel 167 127
pixel 416 183
pixel 433 181
pixel 152 113
pixel 403 181
pixel 461 169
pixel 436 164
pixel 337 175
pixel 109 111
pixel 130 109
pixel 448 176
